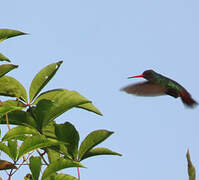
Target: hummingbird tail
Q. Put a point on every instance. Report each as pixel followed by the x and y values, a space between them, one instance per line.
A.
pixel 187 99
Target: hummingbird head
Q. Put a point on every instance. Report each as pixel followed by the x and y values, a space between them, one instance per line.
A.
pixel 148 74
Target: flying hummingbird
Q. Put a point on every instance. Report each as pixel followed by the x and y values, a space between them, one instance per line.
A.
pixel 157 85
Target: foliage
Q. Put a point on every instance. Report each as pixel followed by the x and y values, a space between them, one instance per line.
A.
pixel 191 168
pixel 36 131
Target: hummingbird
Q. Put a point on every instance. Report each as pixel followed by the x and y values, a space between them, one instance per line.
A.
pixel 157 85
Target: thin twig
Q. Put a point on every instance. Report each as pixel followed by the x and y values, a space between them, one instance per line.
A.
pixel 7 122
pixel 24 160
pixel 41 155
pixel 78 172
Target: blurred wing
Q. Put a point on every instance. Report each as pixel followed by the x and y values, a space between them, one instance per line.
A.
pixel 144 89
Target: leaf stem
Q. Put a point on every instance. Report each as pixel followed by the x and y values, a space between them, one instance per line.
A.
pixel 78 172
pixel 7 122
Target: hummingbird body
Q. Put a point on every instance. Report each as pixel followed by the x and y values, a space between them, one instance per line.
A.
pixel 157 85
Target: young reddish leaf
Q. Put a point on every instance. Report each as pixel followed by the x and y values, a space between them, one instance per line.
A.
pixel 6 165
pixel 9 86
pixel 58 165
pixel 8 33
pixel 42 78
pixel 191 168
pixel 35 166
pixel 4 58
pixel 5 68
pixel 99 151
pixel 93 139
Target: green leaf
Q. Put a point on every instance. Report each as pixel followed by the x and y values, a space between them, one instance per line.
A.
pixel 5 68
pixel 6 109
pixel 12 145
pixel 50 95
pixel 99 151
pixel 64 177
pixel 42 78
pixel 63 100
pixel 67 133
pixel 59 165
pixel 90 107
pixel 49 130
pixel 35 167
pixel 52 155
pixel 5 149
pixel 9 86
pixel 4 58
pixel 41 113
pixel 19 131
pixel 35 142
pixel 191 168
pixel 14 103
pixel 93 139
pixel 18 117
pixel 6 165
pixel 8 33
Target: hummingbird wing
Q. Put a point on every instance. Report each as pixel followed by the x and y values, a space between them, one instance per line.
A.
pixel 144 89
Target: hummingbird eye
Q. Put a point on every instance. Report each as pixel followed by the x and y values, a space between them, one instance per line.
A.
pixel 148 72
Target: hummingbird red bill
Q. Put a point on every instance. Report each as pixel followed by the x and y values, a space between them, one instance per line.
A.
pixel 157 85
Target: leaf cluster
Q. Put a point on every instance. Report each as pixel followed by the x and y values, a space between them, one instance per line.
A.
pixel 34 115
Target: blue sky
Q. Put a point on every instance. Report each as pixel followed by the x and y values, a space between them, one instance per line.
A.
pixel 102 43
